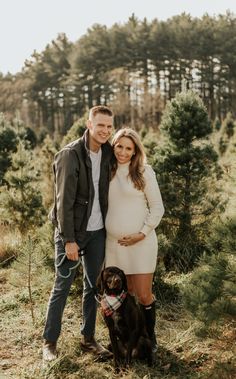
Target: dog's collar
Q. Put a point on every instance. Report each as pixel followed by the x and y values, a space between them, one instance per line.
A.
pixel 110 303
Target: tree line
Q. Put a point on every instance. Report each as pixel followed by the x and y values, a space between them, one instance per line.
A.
pixel 135 67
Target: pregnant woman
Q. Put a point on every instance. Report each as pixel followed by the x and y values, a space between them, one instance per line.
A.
pixel 135 209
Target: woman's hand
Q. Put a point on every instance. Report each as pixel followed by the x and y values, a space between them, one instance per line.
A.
pixel 131 239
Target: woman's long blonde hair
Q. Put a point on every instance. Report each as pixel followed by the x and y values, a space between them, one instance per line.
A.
pixel 136 167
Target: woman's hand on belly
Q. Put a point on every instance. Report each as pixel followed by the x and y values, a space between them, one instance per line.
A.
pixel 131 239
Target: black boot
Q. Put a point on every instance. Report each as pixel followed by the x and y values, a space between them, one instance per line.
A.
pixel 149 312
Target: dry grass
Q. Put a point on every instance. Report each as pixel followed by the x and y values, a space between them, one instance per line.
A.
pixel 181 354
pixel 9 243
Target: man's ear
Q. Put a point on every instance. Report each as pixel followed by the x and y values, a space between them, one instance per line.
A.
pixel 88 124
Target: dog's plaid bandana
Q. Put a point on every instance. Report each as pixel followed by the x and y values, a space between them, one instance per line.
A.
pixel 111 303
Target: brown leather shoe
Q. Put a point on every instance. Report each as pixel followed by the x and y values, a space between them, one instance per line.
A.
pixel 90 345
pixel 49 351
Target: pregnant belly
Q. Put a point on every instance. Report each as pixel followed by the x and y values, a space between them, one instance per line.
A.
pixel 121 222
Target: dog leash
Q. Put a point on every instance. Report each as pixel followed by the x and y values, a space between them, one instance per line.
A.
pixel 63 257
pixel 81 253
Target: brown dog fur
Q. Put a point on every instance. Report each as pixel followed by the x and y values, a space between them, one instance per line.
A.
pixel 127 331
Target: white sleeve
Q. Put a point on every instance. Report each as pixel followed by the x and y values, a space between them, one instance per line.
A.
pixel 154 201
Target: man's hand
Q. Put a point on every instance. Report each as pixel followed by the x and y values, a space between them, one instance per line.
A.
pixel 72 251
pixel 131 239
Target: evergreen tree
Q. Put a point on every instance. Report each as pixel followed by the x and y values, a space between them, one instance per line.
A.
pixel 217 124
pixel 187 170
pixel 8 145
pixel 227 133
pixel 20 199
pixel 44 165
pixel 30 271
pixel 229 125
pixel 210 294
pixel 48 71
pixel 76 131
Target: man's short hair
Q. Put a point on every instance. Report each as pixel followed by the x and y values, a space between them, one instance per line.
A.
pixel 100 109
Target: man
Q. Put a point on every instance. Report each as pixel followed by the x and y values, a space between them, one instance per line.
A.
pixel 82 173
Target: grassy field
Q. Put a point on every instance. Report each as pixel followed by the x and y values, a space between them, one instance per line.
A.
pixel 181 354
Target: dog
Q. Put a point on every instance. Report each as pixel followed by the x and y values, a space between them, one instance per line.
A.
pixel 124 319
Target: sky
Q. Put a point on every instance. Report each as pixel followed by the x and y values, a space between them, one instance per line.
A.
pixel 28 25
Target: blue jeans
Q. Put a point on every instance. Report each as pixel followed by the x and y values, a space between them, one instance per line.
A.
pixel 93 245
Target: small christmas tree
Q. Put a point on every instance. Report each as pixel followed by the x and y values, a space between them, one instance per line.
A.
pixel 45 162
pixel 229 125
pixel 226 133
pixel 210 294
pixel 76 131
pixel 21 201
pixel 187 170
pixel 8 145
pixel 217 124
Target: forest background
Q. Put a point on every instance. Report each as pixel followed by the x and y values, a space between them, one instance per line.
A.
pixel 174 82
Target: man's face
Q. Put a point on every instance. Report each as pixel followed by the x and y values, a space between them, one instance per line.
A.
pixel 100 129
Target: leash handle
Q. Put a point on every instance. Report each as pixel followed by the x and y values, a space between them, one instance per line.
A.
pixel 63 257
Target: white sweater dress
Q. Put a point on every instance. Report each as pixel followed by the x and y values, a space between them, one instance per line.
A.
pixel 133 211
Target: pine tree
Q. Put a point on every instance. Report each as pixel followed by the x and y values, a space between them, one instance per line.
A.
pixel 30 269
pixel 44 163
pixel 210 294
pixel 227 133
pixel 187 170
pixel 76 131
pixel 8 145
pixel 229 125
pixel 21 201
pixel 217 124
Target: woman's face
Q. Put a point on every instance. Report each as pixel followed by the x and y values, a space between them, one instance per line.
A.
pixel 124 148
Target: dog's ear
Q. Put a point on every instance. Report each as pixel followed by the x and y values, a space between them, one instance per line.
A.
pixel 124 281
pixel 100 282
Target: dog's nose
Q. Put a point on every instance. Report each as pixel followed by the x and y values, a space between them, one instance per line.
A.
pixel 116 281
